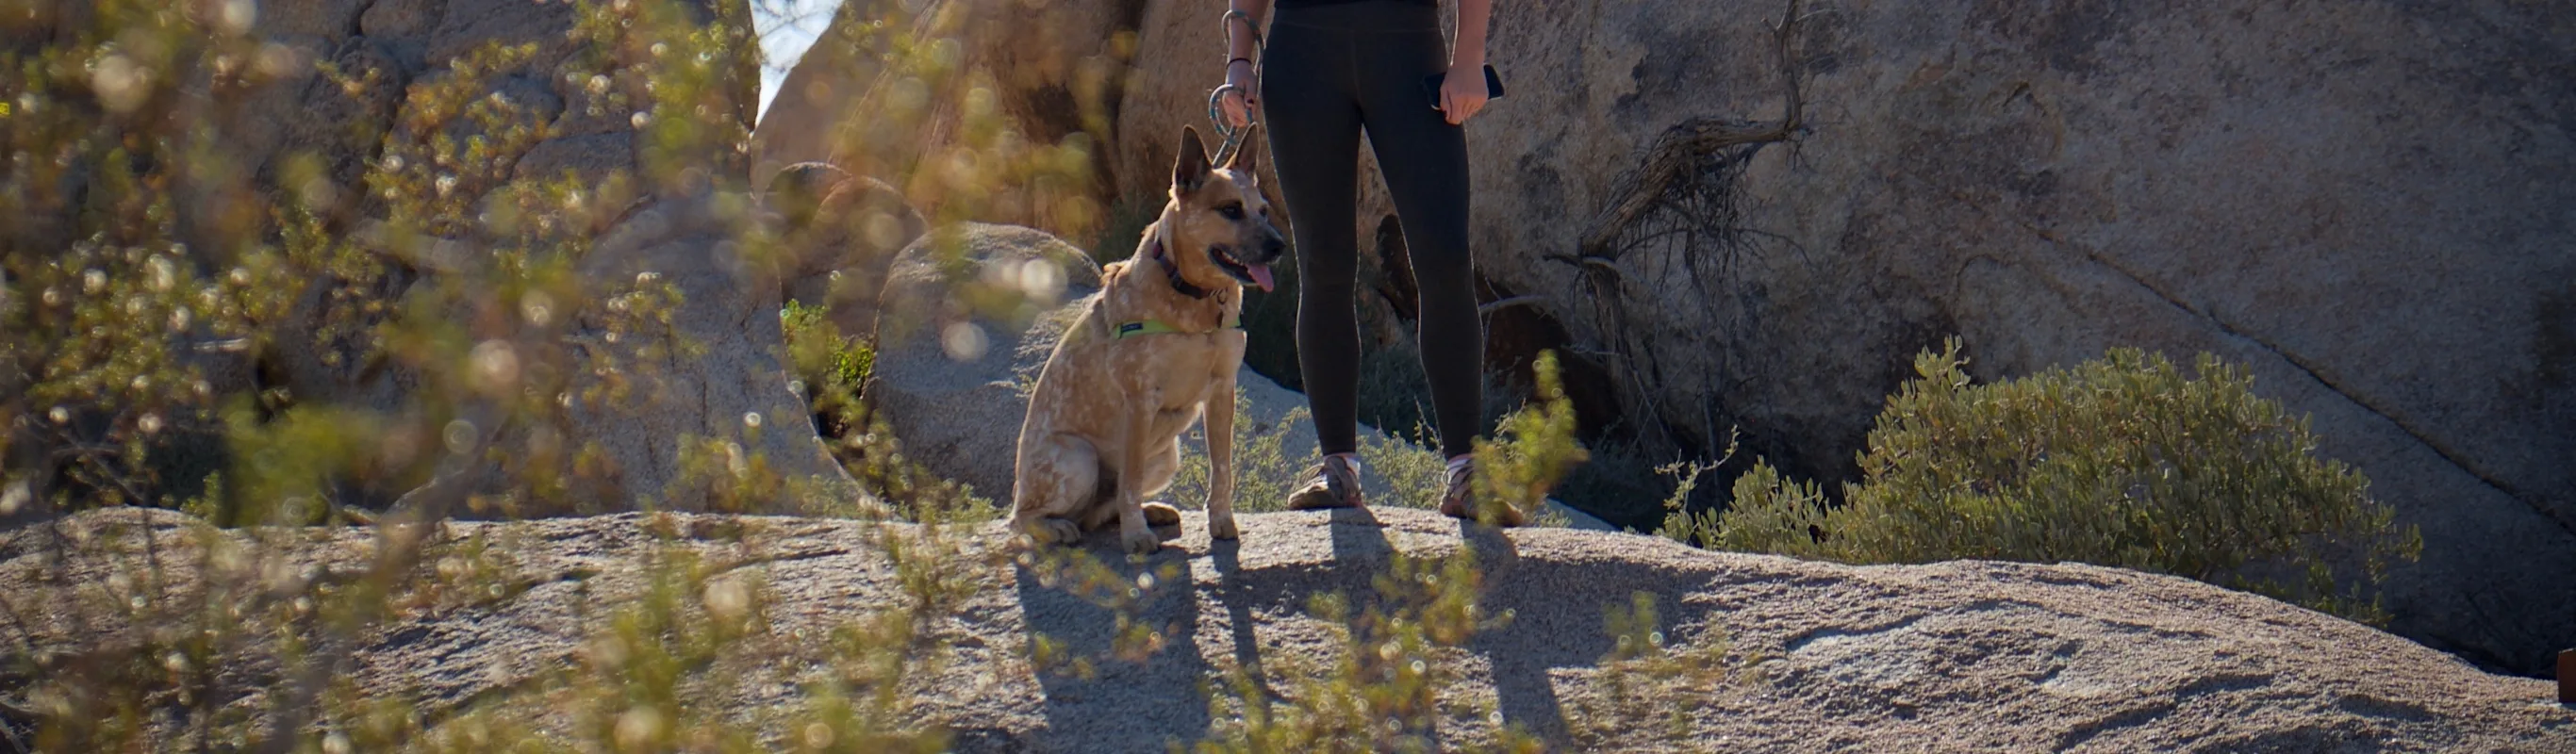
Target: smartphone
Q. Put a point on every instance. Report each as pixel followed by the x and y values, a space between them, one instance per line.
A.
pixel 1493 85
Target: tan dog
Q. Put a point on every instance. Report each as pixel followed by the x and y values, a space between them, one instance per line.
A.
pixel 1153 352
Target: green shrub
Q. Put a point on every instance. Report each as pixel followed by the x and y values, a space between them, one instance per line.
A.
pixel 2123 461
pixel 830 369
pixel 1263 471
pixel 822 357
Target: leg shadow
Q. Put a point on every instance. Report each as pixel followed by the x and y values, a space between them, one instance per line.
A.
pixel 1358 538
pixel 1238 601
pixel 1140 694
pixel 1522 690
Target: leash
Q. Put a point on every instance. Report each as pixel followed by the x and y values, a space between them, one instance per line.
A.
pixel 1216 113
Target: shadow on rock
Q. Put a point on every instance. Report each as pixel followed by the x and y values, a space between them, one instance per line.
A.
pixel 1132 622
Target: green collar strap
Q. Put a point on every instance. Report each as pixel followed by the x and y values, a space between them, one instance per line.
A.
pixel 1125 330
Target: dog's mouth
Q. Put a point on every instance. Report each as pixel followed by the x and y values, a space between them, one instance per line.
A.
pixel 1249 273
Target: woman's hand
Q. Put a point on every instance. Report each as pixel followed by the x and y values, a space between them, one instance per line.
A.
pixel 1462 91
pixel 1238 103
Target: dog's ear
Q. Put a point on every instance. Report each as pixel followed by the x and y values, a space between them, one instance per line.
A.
pixel 1191 171
pixel 1243 157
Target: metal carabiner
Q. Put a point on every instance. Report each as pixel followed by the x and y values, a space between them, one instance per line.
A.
pixel 1216 110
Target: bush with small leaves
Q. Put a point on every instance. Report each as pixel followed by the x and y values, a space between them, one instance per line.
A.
pixel 2122 461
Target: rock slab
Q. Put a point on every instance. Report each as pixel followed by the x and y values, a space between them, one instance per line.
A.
pixel 1962 656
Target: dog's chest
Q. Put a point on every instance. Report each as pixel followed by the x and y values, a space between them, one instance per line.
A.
pixel 1183 368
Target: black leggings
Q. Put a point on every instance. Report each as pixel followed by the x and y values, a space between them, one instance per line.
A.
pixel 1327 72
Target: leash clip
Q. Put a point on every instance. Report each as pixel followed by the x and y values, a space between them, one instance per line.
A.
pixel 1216 99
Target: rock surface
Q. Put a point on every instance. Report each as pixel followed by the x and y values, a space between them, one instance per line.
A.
pixel 2366 203
pixel 1964 656
pixel 973 313
pixel 714 374
pixel 822 88
pixel 842 233
pixel 1045 72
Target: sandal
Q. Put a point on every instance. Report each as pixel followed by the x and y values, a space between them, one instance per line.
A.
pixel 1331 484
pixel 1460 498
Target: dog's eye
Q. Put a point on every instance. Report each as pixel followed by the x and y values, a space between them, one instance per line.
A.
pixel 1231 211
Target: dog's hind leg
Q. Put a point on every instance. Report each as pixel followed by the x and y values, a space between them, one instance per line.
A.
pixel 1059 486
pixel 1159 469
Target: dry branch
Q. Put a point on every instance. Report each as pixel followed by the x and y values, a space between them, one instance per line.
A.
pixel 1685 144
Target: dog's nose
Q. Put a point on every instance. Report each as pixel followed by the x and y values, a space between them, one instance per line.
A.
pixel 1273 247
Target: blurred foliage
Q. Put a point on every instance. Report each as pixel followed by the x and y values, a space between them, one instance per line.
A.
pixel 2122 461
pixel 392 296
pixel 1654 689
pixel 1383 690
pixel 1533 450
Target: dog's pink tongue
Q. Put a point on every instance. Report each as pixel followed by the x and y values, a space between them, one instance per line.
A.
pixel 1261 275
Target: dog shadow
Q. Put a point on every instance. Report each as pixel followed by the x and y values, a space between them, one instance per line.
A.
pixel 1111 689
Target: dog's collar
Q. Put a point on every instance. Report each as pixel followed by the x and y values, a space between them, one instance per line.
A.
pixel 1173 271
pixel 1125 330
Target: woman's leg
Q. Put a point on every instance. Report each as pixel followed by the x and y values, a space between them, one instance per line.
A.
pixel 1313 125
pixel 1425 162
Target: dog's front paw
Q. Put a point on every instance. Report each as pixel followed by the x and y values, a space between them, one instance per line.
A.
pixel 1141 541
pixel 1222 527
pixel 1054 531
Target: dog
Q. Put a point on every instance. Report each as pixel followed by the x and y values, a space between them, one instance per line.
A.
pixel 1154 350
